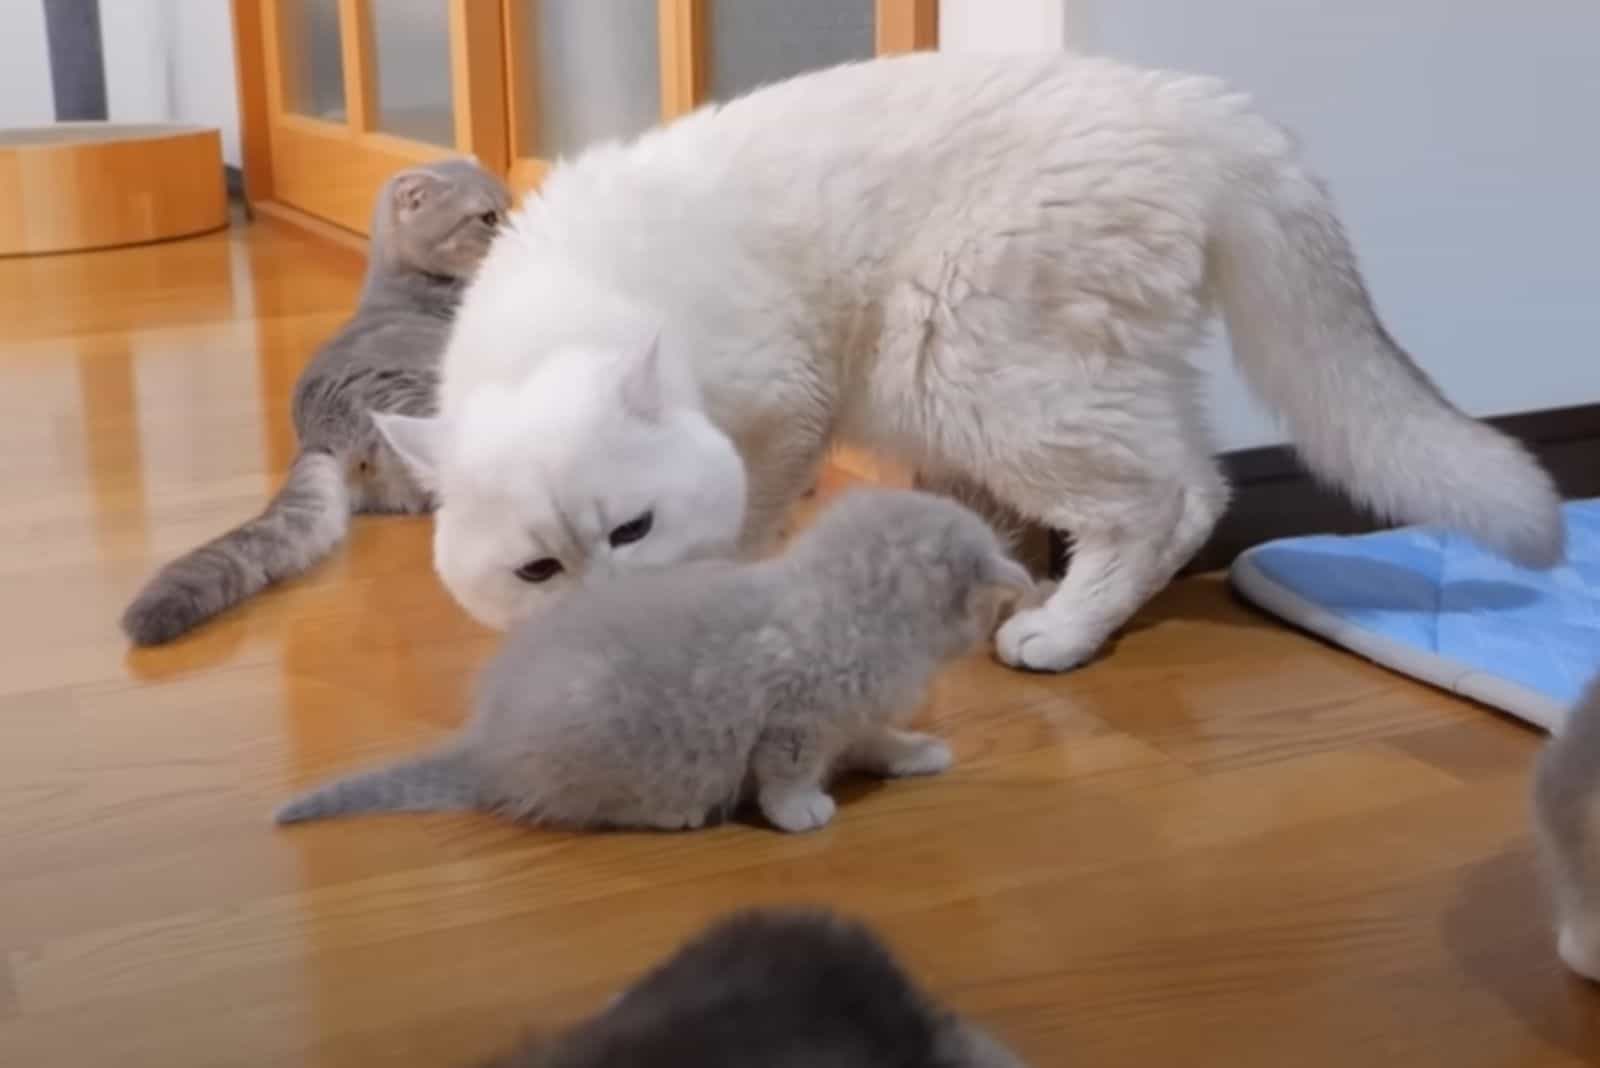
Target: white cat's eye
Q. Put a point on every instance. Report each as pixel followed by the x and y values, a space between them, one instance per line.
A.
pixel 490 218
pixel 541 570
pixel 633 530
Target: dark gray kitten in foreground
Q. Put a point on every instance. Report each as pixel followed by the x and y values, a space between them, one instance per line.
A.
pixel 431 227
pixel 772 989
pixel 1566 804
pixel 665 698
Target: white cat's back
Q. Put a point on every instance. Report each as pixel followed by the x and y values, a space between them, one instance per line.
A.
pixel 787 218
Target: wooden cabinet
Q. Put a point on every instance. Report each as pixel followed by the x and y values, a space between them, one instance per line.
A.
pixel 335 95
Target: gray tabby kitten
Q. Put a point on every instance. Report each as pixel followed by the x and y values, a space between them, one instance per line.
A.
pixel 431 227
pixel 776 989
pixel 664 699
pixel 1566 804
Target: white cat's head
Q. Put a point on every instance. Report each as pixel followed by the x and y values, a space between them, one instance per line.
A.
pixel 595 462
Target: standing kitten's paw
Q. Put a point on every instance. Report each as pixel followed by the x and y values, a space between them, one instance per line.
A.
pixel 922 754
pixel 677 821
pixel 1039 640
pixel 798 812
pixel 1578 952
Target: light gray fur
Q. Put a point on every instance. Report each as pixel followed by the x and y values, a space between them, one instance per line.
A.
pixel 431 228
pixel 1566 804
pixel 665 699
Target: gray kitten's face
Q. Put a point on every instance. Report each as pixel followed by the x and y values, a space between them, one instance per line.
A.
pixel 443 217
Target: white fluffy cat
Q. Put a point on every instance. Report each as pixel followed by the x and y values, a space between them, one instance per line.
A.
pixel 989 268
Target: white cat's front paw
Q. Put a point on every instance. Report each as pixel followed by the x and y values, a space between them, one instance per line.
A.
pixel 797 812
pixel 1039 640
pixel 927 755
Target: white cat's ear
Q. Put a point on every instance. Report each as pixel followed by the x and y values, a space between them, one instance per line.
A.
pixel 1002 571
pixel 641 382
pixel 416 441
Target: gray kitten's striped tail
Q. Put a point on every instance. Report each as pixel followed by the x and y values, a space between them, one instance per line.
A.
pixel 440 782
pixel 302 524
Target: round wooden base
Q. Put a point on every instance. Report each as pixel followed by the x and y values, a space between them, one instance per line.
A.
pixel 85 185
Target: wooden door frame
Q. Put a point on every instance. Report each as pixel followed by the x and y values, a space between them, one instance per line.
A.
pixel 489 90
pixel 299 166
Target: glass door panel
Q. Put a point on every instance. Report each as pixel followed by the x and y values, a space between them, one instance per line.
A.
pixel 595 70
pixel 313 65
pixel 411 54
pixel 751 43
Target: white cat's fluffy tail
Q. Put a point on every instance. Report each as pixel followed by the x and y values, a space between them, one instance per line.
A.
pixel 1362 415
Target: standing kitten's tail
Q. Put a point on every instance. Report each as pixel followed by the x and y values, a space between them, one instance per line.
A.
pixel 439 782
pixel 308 517
pixel 1566 819
pixel 1362 415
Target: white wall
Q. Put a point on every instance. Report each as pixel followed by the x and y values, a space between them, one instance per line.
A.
pixel 1462 142
pixel 25 95
pixel 171 60
pixel 1001 25
pixel 165 60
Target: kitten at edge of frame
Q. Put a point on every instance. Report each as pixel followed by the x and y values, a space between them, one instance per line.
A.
pixel 1566 807
pixel 772 987
pixel 665 699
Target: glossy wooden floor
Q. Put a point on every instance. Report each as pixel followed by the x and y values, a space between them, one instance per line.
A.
pixel 1223 844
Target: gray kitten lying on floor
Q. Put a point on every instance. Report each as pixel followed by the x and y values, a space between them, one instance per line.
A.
pixel 1566 804
pixel 666 698
pixel 431 228
pixel 772 988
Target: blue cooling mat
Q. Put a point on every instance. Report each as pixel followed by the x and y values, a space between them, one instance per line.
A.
pixel 1436 607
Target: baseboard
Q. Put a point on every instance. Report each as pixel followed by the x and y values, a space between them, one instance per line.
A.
pixel 1274 497
pixel 336 237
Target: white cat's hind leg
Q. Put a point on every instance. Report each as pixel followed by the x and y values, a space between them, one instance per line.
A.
pixel 1114 570
pixel 1132 531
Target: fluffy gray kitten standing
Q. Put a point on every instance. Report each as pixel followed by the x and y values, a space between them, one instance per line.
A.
pixel 1566 804
pixel 431 228
pixel 665 699
pixel 772 988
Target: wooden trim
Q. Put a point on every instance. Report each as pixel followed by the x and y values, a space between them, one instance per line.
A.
pixel 314 127
pixel 1274 496
pixel 356 44
pixel 521 87
pixel 684 58
pixel 250 82
pixel 907 26
pixel 525 174
pixel 278 211
pixel 478 83
pixel 275 30
pixel 320 168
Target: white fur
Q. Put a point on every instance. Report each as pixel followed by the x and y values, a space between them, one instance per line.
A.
pixel 990 268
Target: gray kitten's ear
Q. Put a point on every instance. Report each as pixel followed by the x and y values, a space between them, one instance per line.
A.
pixel 641 383
pixel 1002 571
pixel 411 191
pixel 415 441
